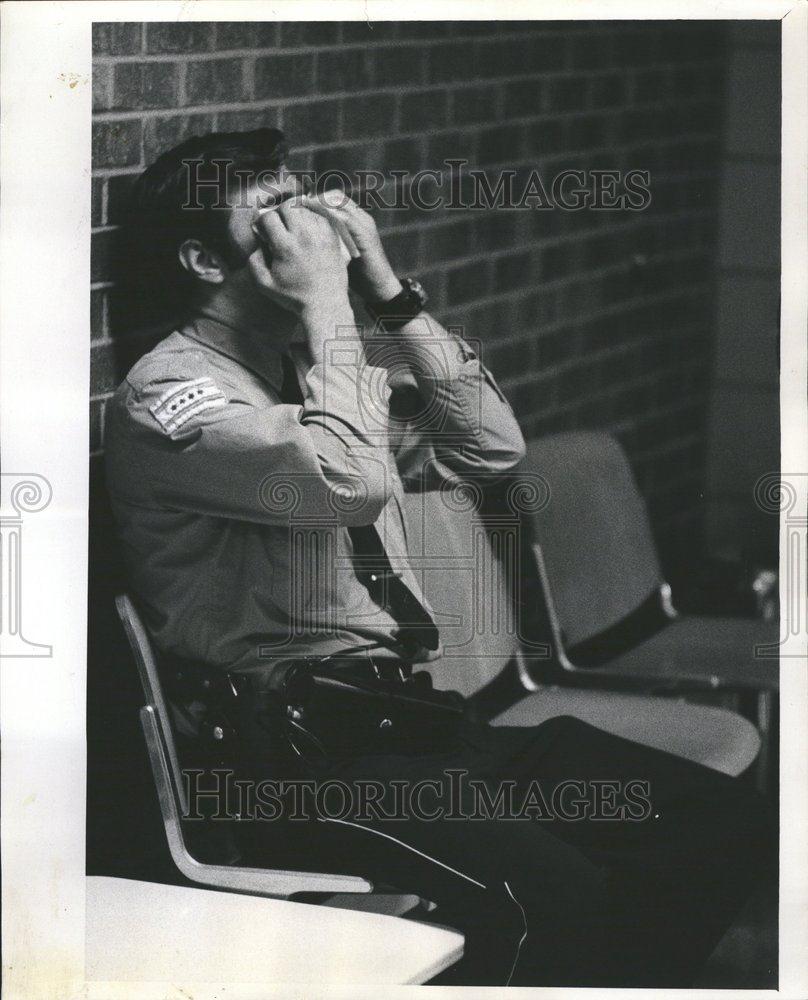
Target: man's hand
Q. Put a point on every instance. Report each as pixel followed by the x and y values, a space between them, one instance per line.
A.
pixel 371 274
pixel 306 273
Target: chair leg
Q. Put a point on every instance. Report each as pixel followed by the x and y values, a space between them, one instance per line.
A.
pixel 767 759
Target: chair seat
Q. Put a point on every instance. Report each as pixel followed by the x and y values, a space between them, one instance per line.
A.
pixel 694 646
pixel 713 737
pixel 152 933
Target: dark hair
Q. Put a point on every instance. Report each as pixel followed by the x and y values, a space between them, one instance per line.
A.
pixel 199 172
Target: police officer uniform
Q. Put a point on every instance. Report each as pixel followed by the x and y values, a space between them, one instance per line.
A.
pixel 213 456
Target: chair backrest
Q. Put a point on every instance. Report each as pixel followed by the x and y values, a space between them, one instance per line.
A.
pixel 594 533
pixel 465 572
pixel 146 661
pixel 158 733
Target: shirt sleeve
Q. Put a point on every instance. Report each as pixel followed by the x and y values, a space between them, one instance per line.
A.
pixel 466 417
pixel 198 445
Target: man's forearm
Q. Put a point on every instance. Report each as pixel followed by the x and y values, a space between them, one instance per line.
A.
pixel 473 417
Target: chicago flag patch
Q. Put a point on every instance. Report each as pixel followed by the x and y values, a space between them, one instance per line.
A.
pixel 185 400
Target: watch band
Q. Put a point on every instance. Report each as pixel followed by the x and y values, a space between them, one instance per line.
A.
pixel 401 309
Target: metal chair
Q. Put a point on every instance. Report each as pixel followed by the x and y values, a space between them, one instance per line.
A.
pixel 611 618
pixel 468 569
pixel 609 614
pixel 157 731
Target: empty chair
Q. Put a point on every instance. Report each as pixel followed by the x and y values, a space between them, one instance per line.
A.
pixel 611 617
pixel 466 569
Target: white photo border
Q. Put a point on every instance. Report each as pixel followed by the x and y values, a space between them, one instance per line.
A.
pixel 45 91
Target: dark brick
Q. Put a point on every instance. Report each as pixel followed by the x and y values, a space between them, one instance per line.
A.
pixel 246 35
pixel 474 104
pixel 501 145
pixel 406 154
pixel 424 111
pixel 537 311
pixel 469 282
pixel 102 370
pixel 513 271
pixel 369 32
pixel 119 189
pixel 215 81
pixel 566 93
pixel 496 230
pixel 345 69
pixel 450 64
pixel 312 124
pixel 347 159
pixel 501 57
pixel 590 51
pixel 116 143
pixel 98 313
pixel 524 98
pixel 146 85
pixel 295 34
pixel 284 76
pixel 249 119
pixel 366 116
pixel 399 66
pixel 117 39
pixel 165 133
pixel 102 255
pixel 452 146
pixel 426 30
pixel 404 251
pixel 190 36
pixel 607 91
pixel 102 87
pixel 96 424
pixel 511 357
pixel 586 132
pixel 547 52
pixel 546 137
pixel 97 201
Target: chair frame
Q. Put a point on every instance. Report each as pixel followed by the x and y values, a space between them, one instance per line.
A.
pixel 156 725
pixel 560 669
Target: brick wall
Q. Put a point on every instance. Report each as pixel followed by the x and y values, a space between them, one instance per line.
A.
pixel 589 319
pixel 743 440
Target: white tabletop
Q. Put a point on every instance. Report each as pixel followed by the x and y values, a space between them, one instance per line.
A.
pixel 153 933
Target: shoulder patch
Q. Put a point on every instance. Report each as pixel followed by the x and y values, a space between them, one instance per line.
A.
pixel 184 400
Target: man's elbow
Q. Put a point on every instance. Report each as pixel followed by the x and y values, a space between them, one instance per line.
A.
pixel 509 450
pixel 359 500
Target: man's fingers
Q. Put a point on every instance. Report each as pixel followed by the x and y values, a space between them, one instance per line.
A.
pixel 338 220
pixel 291 214
pixel 270 228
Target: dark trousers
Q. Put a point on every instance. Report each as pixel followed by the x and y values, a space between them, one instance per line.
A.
pixel 578 899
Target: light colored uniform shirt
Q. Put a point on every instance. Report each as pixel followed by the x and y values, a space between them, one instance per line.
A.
pixel 234 508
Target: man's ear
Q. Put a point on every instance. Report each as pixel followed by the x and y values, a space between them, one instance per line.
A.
pixel 201 262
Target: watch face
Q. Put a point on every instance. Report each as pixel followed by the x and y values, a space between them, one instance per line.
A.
pixel 417 289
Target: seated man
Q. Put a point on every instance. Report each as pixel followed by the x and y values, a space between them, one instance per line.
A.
pixel 260 414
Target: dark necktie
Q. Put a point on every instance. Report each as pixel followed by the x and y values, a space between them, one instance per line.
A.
pixel 372 565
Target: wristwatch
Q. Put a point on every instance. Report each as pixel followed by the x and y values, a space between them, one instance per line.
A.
pixel 402 308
